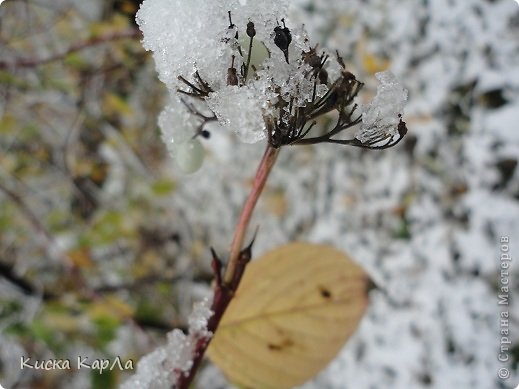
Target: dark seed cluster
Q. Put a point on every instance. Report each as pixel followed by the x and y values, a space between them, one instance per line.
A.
pixel 291 124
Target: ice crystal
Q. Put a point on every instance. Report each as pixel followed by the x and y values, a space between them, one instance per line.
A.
pixel 239 109
pixel 380 119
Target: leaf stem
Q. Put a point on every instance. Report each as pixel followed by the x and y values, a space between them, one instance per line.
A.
pixel 264 168
pixel 226 287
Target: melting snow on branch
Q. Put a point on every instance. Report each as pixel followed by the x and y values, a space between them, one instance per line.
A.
pixel 160 368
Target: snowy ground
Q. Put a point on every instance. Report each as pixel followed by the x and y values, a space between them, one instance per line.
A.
pixel 426 218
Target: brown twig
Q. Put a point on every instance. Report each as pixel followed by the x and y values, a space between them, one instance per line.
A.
pixel 34 62
pixel 227 285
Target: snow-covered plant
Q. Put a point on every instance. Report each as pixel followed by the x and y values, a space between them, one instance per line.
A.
pixel 242 65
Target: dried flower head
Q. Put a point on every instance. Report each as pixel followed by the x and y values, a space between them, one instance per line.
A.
pixel 233 62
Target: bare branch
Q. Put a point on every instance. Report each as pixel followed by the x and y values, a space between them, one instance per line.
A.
pixel 35 62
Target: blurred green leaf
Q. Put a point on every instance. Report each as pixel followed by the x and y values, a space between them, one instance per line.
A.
pixel 105 380
pixel 163 187
pixel 7 78
pixel 114 104
pixel 106 329
pixel 9 308
pixel 107 228
pixel 41 331
pixel 7 124
pixel 76 61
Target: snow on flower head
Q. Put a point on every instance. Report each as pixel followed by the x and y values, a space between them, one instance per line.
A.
pixel 241 64
pixel 187 35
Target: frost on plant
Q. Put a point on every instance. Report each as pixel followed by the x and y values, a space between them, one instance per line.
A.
pixel 243 65
pixel 380 119
pixel 161 368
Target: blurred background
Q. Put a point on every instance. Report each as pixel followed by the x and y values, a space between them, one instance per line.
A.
pixel 104 244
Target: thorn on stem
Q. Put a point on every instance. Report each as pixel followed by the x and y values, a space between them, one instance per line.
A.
pixel 243 259
pixel 216 265
pixel 246 253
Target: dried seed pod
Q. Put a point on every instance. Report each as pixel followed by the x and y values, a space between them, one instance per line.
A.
pixel 251 31
pixel 323 76
pixel 348 76
pixel 283 38
pixel 311 58
pixel 232 76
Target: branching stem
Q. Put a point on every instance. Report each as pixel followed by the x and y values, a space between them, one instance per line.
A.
pixel 226 287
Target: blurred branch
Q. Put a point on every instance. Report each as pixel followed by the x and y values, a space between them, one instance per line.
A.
pixel 28 288
pixel 51 247
pixel 132 286
pixel 34 62
pixel 8 273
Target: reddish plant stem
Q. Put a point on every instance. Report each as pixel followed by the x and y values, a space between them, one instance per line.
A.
pixel 264 168
pixel 238 259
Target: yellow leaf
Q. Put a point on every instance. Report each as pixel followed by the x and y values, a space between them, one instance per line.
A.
pixel 81 257
pixel 373 64
pixel 110 306
pixel 7 124
pixel 294 310
pixel 115 105
pixel 119 306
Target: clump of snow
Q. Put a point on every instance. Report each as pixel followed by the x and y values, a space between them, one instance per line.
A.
pixel 197 36
pixel 178 127
pixel 204 41
pixel 160 368
pixel 239 110
pixel 187 35
pixel 381 117
pixel 198 318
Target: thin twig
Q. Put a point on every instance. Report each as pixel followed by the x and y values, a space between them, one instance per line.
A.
pixel 34 62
